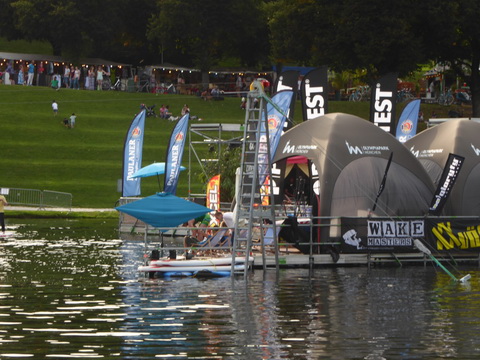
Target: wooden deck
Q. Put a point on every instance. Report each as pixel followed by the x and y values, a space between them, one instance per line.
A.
pixel 301 260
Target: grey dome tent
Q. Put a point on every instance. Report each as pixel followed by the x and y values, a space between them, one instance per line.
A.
pixel 351 155
pixel 432 147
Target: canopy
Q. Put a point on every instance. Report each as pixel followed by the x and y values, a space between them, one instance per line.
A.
pixel 163 210
pixel 351 155
pixel 152 170
pixel 432 147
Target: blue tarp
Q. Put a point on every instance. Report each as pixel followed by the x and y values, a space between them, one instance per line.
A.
pixel 163 210
pixel 303 70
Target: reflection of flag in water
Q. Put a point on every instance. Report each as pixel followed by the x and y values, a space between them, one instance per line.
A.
pixel 276 122
pixel 174 155
pixel 132 155
pixel 407 124
pixel 213 193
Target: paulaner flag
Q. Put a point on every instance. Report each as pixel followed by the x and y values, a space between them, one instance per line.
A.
pixel 382 103
pixel 407 124
pixel 174 155
pixel 314 92
pixel 276 123
pixel 132 155
pixel 445 185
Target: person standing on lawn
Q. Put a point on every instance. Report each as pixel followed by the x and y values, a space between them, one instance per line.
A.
pixel 3 203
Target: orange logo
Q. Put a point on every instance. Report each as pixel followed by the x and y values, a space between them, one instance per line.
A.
pixel 136 132
pixel 179 137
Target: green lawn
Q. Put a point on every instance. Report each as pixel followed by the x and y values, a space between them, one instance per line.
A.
pixel 38 152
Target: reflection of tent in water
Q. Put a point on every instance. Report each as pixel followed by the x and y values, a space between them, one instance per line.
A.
pixel 351 155
pixel 432 147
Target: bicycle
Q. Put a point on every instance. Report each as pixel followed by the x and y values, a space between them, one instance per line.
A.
pixel 404 95
pixel 446 98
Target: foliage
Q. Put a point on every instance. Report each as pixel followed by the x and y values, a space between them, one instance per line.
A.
pixel 228 162
pixel 210 31
pixel 455 41
pixel 74 29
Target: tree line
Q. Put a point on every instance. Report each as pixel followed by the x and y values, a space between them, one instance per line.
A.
pixel 374 36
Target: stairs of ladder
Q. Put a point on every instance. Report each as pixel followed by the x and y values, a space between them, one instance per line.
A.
pixel 254 202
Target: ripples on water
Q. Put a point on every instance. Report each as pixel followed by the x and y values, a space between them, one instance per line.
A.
pixel 70 290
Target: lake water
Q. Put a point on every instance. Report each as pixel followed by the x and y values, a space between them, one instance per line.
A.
pixel 69 290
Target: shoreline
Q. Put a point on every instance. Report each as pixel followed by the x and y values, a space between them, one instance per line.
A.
pixel 12 211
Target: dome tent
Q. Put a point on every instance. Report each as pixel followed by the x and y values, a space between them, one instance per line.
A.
pixel 351 155
pixel 432 147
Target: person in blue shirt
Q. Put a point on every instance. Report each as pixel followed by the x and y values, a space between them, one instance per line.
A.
pixel 31 72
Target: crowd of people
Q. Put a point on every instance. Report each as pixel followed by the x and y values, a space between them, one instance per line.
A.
pixel 73 77
pixel 204 228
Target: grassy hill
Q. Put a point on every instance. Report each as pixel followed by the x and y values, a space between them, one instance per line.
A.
pixel 38 152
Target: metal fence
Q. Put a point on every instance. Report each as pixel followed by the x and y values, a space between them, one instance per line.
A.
pixel 37 198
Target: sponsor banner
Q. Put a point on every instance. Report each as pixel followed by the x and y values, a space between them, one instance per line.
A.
pixel 265 192
pixel 276 123
pixel 213 193
pixel 276 120
pixel 384 181
pixel 380 234
pixel 278 176
pixel 132 155
pixel 445 185
pixel 453 234
pixel 314 93
pixel 287 80
pixel 408 122
pixel 174 155
pixel 382 103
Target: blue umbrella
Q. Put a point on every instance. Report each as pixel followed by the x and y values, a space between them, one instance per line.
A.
pixel 163 210
pixel 152 170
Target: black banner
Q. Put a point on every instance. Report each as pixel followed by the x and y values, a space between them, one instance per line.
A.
pixel 314 93
pixel 382 103
pixel 287 80
pixel 278 178
pixel 380 235
pixel 445 185
pixel 453 234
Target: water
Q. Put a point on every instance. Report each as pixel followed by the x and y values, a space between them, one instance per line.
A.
pixel 69 290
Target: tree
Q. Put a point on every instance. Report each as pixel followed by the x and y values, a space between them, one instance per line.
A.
pixel 347 34
pixel 73 28
pixel 205 32
pixel 228 162
pixel 455 41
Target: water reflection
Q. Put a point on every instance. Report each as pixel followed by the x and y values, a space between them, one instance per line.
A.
pixel 69 289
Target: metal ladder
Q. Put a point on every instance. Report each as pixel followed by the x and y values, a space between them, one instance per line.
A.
pixel 254 169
